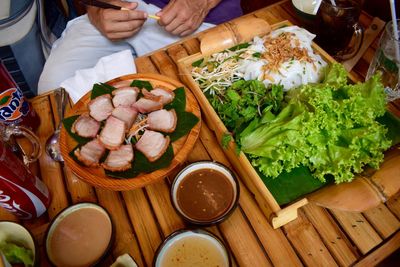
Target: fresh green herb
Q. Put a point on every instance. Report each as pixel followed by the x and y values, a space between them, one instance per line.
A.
pixel 239 46
pixel 226 139
pixel 197 63
pixel 257 55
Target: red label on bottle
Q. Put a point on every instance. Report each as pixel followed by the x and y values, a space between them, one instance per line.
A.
pixel 12 105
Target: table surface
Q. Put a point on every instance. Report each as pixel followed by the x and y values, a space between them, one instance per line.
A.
pixel 144 217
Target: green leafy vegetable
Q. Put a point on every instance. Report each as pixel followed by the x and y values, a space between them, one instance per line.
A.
pixel 142 84
pixel 179 102
pixel 244 101
pixel 185 122
pixel 197 63
pixel 330 128
pixel 239 46
pixel 226 139
pixel 101 89
pixel 17 254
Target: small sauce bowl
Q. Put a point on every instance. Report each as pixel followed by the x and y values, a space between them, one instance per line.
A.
pixel 196 247
pixel 79 235
pixel 205 192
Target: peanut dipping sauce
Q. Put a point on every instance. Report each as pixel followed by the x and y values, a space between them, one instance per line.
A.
pixel 79 238
pixel 205 194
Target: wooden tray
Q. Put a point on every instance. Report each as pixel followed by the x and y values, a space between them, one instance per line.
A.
pixel 332 196
pixel 181 147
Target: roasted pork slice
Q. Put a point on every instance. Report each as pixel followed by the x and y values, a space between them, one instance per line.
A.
pixel 144 105
pixel 101 107
pixel 125 96
pixel 152 144
pixel 113 133
pixel 124 83
pixel 149 95
pixel 120 159
pixel 162 120
pixel 90 153
pixel 85 126
pixel 166 95
pixel 125 114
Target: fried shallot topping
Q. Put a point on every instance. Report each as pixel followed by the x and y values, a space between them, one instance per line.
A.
pixel 281 49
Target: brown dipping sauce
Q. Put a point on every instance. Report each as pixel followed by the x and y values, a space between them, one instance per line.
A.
pixel 79 238
pixel 205 194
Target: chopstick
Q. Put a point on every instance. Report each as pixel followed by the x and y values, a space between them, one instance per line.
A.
pixel 102 4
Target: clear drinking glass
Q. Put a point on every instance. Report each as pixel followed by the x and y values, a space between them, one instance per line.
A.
pixel 387 61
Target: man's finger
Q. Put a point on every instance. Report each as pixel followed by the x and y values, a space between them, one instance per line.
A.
pixel 126 26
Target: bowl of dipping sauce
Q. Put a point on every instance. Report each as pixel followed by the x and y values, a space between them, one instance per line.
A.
pixel 192 248
pixel 205 192
pixel 80 235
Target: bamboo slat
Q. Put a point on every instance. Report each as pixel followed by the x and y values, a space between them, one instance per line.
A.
pixel 125 241
pixel 7 216
pixel 334 239
pixel 145 65
pixel 79 190
pixel 192 46
pixel 381 253
pixel 245 244
pixel 165 65
pixel 394 205
pixel 166 216
pixel 307 242
pixel 50 170
pixel 358 229
pixel 143 222
pixel 177 52
pixel 386 227
pixel 276 245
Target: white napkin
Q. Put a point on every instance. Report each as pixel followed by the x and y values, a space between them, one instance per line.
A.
pixel 107 68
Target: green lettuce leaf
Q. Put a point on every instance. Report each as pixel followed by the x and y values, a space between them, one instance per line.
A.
pixel 17 254
pixel 331 128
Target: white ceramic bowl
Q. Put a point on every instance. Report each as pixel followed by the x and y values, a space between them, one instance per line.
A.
pixel 78 242
pixel 15 233
pixel 201 248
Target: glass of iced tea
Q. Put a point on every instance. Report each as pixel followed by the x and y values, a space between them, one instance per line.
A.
pixel 339 32
pixel 387 61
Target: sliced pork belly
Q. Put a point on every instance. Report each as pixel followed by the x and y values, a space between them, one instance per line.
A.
pixel 120 159
pixel 152 144
pixel 85 126
pixel 144 105
pixel 166 95
pixel 162 120
pixel 149 95
pixel 124 83
pixel 90 153
pixel 113 133
pixel 125 96
pixel 101 107
pixel 125 114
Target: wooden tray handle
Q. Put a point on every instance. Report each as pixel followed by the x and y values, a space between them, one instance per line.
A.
pixel 232 33
pixel 364 192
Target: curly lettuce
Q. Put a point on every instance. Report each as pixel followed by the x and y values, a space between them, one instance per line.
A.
pixel 330 127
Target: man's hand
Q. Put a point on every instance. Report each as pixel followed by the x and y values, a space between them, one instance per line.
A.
pixel 182 17
pixel 117 24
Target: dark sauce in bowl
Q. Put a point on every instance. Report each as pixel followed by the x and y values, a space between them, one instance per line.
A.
pixel 204 192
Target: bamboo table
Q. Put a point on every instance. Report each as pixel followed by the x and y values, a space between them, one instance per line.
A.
pixel 144 217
